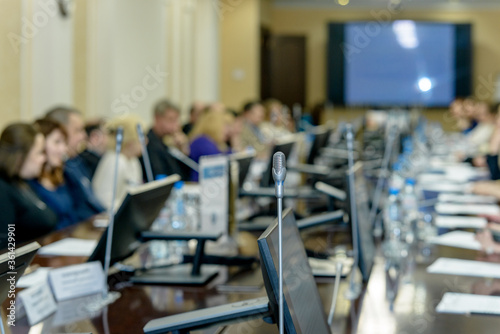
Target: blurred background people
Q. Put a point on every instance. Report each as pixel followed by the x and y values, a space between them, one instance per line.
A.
pixel 251 134
pixel 195 112
pixel 58 188
pixel 210 136
pixel 166 123
pixel 21 158
pixel 96 145
pixel 129 166
pixel 276 121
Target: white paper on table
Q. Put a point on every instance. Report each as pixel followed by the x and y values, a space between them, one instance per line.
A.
pixel 467 209
pixel 427 178
pixel 39 276
pixel 69 247
pixel 464 303
pixel 446 187
pixel 460 222
pixel 467 198
pixel 463 174
pixel 464 268
pixel 458 239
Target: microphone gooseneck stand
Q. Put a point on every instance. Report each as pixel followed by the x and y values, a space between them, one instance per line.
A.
pixel 145 154
pixel 279 173
pixel 110 297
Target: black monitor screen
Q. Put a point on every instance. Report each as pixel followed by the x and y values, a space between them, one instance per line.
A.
pixel 136 214
pixel 366 246
pixel 320 141
pixel 23 257
pixel 303 309
pixel 244 161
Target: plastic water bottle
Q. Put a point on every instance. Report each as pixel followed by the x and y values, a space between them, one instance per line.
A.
pixel 392 224
pixel 159 248
pixel 409 204
pixel 177 207
pixel 178 222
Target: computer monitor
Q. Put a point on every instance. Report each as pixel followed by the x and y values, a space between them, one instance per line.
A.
pixel 303 309
pixel 23 257
pixel 366 246
pixel 321 137
pixel 244 160
pixel 136 214
pixel 285 146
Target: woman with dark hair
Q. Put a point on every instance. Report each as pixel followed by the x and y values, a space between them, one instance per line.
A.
pixel 21 159
pixel 56 188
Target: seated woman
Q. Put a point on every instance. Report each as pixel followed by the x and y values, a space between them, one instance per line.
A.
pixel 210 135
pixel 21 159
pixel 56 188
pixel 129 166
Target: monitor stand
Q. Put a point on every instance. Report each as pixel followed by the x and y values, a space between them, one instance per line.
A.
pixel 181 274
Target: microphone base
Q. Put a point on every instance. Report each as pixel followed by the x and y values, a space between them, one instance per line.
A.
pixel 353 292
pixel 103 301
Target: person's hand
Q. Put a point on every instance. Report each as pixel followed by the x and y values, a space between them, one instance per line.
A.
pixel 488 245
pixel 485 188
pixel 479 161
pixel 181 142
pixel 492 218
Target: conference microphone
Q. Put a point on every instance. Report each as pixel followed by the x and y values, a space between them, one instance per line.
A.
pixel 279 174
pixel 145 154
pixel 108 297
pixel 177 154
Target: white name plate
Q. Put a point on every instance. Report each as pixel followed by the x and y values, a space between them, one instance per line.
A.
pixel 77 281
pixel 214 194
pixel 38 303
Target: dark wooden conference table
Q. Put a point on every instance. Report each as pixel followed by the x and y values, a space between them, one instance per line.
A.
pixel 413 311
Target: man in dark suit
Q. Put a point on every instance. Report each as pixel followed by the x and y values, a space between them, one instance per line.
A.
pixel 166 124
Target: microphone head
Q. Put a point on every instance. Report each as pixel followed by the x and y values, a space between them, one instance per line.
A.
pixel 279 166
pixel 119 138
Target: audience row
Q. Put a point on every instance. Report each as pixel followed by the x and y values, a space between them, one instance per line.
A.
pixel 59 171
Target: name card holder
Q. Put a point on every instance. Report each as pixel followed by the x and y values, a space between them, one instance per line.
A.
pixel 214 194
pixel 77 280
pixel 38 303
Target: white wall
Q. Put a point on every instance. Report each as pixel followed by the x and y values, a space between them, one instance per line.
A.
pixel 46 57
pixel 126 52
pixel 140 51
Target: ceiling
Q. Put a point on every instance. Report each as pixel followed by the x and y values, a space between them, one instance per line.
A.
pixel 421 4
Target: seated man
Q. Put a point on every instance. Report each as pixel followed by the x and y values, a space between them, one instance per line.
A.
pixel 166 123
pixel 251 134
pixel 96 146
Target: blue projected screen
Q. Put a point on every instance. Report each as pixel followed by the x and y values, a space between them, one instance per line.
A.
pixel 399 63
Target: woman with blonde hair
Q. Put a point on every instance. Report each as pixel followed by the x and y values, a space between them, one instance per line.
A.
pixel 210 135
pixel 129 166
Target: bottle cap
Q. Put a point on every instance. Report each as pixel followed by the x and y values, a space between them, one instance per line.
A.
pixel 410 181
pixel 393 191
